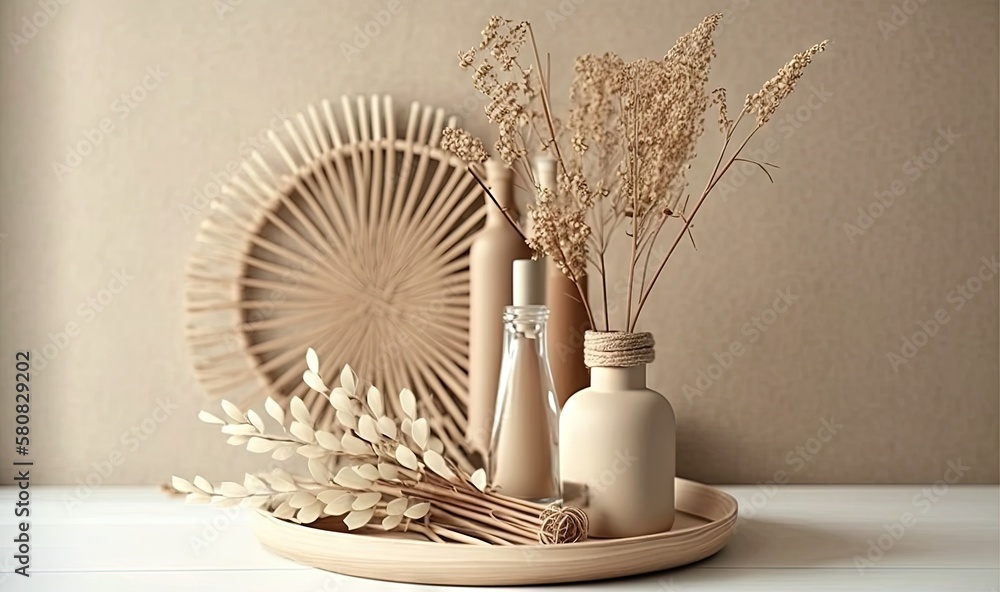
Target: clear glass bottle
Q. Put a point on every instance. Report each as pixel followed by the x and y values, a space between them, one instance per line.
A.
pixel 524 448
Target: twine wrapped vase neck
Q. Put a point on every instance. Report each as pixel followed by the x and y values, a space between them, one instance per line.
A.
pixel 617 349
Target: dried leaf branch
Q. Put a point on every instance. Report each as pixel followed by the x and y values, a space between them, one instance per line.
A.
pixel 380 473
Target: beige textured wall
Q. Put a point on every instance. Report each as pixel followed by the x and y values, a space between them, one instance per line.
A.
pixel 867 119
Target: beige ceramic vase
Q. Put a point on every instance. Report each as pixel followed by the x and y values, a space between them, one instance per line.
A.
pixel 568 320
pixel 617 441
pixel 491 257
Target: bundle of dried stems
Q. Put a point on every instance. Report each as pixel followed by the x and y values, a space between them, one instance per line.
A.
pixel 622 152
pixel 379 470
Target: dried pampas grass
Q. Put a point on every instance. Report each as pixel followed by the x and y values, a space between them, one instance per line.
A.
pixel 623 151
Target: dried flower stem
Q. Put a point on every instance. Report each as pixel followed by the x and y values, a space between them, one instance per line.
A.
pixel 467 518
pixel 463 509
pixel 580 288
pixel 503 210
pixel 604 294
pixel 712 182
pixel 635 213
pixel 459 527
pixel 496 505
pixel 431 532
pixel 546 106
pixel 634 128
pixel 482 503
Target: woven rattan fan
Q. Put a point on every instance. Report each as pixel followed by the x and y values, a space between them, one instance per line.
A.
pixel 357 247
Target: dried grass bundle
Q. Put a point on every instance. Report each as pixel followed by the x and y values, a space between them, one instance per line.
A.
pixel 632 131
pixel 380 473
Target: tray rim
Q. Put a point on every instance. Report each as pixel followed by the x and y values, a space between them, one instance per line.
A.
pixel 717 531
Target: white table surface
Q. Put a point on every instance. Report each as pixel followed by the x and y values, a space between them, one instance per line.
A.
pixel 793 538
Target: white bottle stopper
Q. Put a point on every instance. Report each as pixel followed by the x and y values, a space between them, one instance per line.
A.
pixel 545 165
pixel 529 282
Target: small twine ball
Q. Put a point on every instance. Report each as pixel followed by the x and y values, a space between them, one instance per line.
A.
pixel 617 349
pixel 563 524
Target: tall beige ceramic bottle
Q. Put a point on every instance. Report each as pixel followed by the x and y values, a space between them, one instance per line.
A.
pixel 617 441
pixel 568 320
pixel 491 257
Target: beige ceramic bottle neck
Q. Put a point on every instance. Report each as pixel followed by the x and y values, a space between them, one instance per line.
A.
pixel 500 182
pixel 546 166
pixel 618 379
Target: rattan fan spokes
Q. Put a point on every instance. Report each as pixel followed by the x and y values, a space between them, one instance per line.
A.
pixel 356 244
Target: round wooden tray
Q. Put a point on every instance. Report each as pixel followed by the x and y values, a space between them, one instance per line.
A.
pixel 705 520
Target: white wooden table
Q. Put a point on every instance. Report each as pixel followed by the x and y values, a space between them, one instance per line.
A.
pixel 793 538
